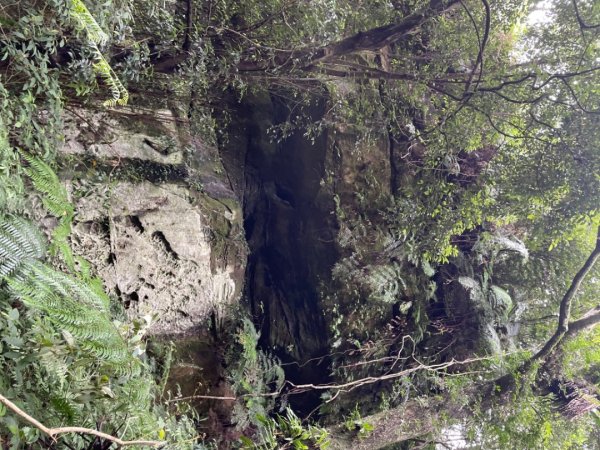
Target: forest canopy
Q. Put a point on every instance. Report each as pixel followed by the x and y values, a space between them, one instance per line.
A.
pixel 462 294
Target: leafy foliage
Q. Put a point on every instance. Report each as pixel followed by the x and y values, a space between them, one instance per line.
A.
pixel 20 243
pixel 72 348
pixel 286 431
pixel 492 132
pixel 530 422
pixel 254 377
pixel 65 358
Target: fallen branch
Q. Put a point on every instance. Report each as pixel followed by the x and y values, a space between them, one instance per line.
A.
pixel 351 385
pixel 200 397
pixel 54 432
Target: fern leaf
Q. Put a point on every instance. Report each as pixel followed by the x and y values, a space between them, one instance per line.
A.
pixel 86 22
pixel 385 282
pixel 69 303
pixel 119 95
pixel 46 181
pixel 56 201
pixel 20 242
pixel 97 37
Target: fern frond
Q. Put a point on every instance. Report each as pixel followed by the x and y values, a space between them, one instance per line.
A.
pixel 55 364
pixel 86 22
pixel 119 95
pixel 46 181
pixel 97 37
pixel 20 242
pixel 385 282
pixel 66 408
pixel 73 306
pixel 56 201
pixel 60 240
pixel 11 184
pixel 68 286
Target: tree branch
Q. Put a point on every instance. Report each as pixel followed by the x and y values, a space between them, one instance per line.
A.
pixel 373 39
pixel 189 24
pixel 54 432
pixel 351 385
pixel 588 320
pixel 582 24
pixel 482 44
pixel 564 315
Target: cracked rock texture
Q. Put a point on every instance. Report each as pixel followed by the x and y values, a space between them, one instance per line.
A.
pixel 154 216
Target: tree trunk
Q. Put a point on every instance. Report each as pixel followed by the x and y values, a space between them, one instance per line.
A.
pixel 413 420
pixel 308 59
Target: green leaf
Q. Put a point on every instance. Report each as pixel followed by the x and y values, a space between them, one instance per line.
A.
pixel 246 441
pixel 13 314
pixel 13 341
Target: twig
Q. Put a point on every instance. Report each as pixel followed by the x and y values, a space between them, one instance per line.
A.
pixel 54 432
pixel 351 385
pixel 206 397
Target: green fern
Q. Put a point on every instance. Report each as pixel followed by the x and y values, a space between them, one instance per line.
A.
pixel 11 185
pixel 119 95
pixel 71 304
pixel 56 201
pixel 65 407
pixel 46 181
pixel 254 374
pixel 20 242
pixel 86 23
pixel 385 282
pixel 60 240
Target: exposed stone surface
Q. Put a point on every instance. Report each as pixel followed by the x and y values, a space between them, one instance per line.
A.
pixel 125 134
pixel 158 239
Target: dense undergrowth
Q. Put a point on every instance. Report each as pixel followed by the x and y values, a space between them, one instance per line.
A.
pixel 68 357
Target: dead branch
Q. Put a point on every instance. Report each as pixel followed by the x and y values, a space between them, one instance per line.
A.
pixel 200 397
pixel 55 432
pixel 351 385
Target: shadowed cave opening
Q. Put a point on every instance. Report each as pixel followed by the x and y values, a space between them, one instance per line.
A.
pixel 290 230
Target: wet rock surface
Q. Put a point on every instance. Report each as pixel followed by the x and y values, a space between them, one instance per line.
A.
pixel 161 242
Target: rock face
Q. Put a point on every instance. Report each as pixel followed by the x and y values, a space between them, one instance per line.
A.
pixel 154 215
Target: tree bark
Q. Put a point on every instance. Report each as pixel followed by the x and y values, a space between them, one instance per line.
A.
pixel 308 59
pixel 588 320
